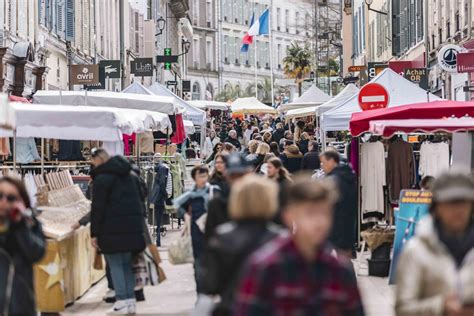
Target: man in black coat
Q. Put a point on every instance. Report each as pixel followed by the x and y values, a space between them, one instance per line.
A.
pixel 311 158
pixel 343 235
pixel 117 223
pixel 232 139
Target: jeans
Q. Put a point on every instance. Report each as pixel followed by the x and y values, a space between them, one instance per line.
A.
pixel 110 282
pixel 122 274
pixel 159 211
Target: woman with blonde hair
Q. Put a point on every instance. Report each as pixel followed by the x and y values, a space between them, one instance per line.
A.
pixel 262 150
pixel 267 137
pixel 253 204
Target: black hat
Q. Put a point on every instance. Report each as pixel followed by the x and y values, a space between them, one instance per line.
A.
pixel 236 163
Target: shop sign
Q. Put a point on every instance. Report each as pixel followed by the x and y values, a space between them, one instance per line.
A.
pixel 374 69
pixel 357 68
pixel 84 74
pixel 465 62
pixel 418 76
pixel 399 66
pixel 111 68
pixel 99 85
pixel 373 96
pixel 186 85
pixel 142 67
pixel 414 205
pixel 447 57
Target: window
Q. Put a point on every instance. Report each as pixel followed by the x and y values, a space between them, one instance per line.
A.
pixel 209 13
pixel 196 94
pixel 237 51
pixel 458 22
pixel 448 29
pixel 407 24
pixel 209 53
pixel 225 48
pixel 278 19
pixel 231 49
pixel 195 8
pixel 196 53
pixel 278 56
pixel 440 36
pixel 287 21
pixel 297 22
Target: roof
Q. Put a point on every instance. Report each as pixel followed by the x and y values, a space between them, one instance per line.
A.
pixel 251 106
pixel 401 91
pixel 312 97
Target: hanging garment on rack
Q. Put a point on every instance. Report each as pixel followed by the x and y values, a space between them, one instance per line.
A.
pixel 372 178
pixel 169 184
pixel 113 148
pixel 434 159
pixel 400 167
pixel 179 134
pixel 31 187
pixel 70 150
pixel 126 142
pixel 354 155
pixel 5 147
pixel 158 193
pixel 145 141
pixel 26 151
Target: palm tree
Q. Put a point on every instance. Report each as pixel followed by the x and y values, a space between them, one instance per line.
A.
pixel 297 63
pixel 229 93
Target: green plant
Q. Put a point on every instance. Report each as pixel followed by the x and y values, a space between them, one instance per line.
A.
pixel 297 63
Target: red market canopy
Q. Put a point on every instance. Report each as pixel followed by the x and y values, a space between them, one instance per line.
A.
pixel 360 122
pixel 390 127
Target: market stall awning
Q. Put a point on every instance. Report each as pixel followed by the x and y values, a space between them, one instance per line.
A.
pixel 390 127
pixel 189 127
pixel 312 97
pixel 160 104
pixel 81 122
pixel 212 105
pixel 401 91
pixel 251 106
pixel 360 122
pixel 197 116
pixel 348 92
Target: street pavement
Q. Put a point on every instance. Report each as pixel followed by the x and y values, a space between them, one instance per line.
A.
pixel 176 296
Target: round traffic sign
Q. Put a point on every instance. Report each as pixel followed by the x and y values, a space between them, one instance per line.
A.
pixel 373 96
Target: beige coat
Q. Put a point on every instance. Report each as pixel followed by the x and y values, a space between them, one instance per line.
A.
pixel 427 273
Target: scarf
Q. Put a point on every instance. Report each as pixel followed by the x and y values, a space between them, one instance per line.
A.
pixel 458 247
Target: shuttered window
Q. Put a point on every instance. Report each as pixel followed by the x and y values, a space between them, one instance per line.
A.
pixel 70 27
pixel 407 25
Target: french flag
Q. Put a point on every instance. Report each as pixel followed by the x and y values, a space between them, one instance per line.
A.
pixel 248 39
pixel 259 27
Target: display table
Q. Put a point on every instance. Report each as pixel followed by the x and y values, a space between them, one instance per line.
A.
pixel 66 272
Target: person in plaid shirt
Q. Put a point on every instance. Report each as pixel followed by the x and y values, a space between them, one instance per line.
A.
pixel 296 274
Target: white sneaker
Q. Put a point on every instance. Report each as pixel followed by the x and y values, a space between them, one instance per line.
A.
pixel 120 308
pixel 132 306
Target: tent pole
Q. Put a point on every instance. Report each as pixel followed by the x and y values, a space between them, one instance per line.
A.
pixel 42 156
pixel 14 149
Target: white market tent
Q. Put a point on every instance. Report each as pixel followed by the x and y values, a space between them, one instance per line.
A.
pixel 212 105
pixel 342 97
pixel 81 122
pixel 401 91
pixel 159 104
pixel 251 106
pixel 197 116
pixel 312 97
pixel 189 127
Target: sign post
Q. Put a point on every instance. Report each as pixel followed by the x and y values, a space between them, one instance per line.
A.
pixel 373 96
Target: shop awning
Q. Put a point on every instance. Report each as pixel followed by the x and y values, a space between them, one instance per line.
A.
pixel 212 105
pixel 360 122
pixel 401 91
pixel 251 106
pixel 81 122
pixel 390 127
pixel 159 104
pixel 312 97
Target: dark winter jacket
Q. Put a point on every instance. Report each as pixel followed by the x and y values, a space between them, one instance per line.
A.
pixel 292 159
pixel 278 135
pixel 303 146
pixel 117 209
pixel 158 194
pixel 343 235
pixel 217 211
pixel 311 160
pixel 234 142
pixel 24 245
pixel 227 251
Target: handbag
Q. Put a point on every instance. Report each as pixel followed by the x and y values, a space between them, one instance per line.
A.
pixel 181 250
pixel 98 261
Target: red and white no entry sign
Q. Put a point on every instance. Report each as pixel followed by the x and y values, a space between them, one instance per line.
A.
pixel 373 96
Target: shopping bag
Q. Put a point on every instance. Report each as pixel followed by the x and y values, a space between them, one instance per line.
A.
pixel 140 271
pixel 156 275
pixel 153 250
pixel 98 261
pixel 181 250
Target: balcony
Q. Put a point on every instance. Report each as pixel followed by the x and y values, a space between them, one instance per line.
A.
pixel 179 7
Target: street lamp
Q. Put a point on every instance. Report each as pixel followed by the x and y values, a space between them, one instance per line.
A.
pixel 186 46
pixel 161 23
pixel 369 3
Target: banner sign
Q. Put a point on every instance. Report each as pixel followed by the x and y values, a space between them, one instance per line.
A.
pixel 84 74
pixel 418 76
pixel 142 67
pixel 465 62
pixel 356 68
pixel 414 205
pixel 111 68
